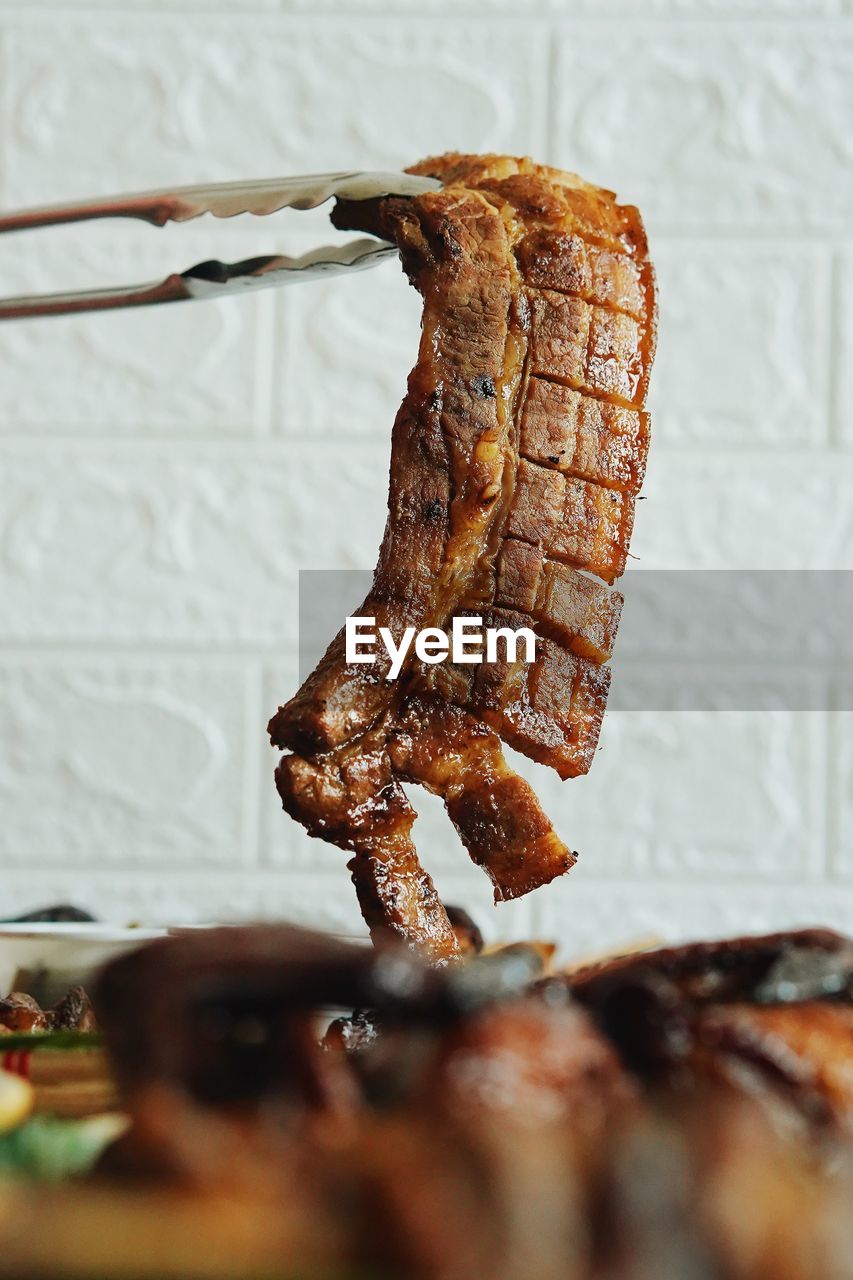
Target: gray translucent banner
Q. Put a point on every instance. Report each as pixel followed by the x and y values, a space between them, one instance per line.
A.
pixel 689 640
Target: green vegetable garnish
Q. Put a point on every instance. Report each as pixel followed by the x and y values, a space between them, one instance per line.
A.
pixel 49 1149
pixel 16 1040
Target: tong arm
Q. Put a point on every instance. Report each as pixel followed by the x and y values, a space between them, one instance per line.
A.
pixel 224 200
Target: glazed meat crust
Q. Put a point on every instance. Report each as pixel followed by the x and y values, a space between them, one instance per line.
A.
pixel 774 1010
pixel 515 463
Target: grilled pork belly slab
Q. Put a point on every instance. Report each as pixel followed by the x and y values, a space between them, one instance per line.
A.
pixel 516 459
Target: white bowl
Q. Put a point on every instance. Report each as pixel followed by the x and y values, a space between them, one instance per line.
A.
pixel 44 960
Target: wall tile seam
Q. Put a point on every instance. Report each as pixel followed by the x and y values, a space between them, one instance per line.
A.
pixel 71 433
pixel 840 273
pixel 823 320
pixel 5 114
pixel 616 877
pixel 836 798
pixel 307 10
pixel 253 449
pixel 199 654
pixel 322 14
pixel 254 755
pixel 264 379
pixel 277 17
pixel 642 889
pixel 277 448
pixel 274 872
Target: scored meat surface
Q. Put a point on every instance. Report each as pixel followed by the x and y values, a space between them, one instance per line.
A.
pixel 516 459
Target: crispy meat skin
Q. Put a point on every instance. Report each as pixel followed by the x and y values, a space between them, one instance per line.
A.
pixel 515 462
pixel 776 1008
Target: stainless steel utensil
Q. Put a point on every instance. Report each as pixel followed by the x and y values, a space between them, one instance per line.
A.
pixel 216 279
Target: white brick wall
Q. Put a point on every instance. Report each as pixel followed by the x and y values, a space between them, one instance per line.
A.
pixel 164 475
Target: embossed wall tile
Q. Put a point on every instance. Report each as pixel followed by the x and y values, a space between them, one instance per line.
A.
pixel 186 369
pixel 714 795
pixel 112 766
pixel 106 761
pixel 704 510
pixel 5 112
pixel 843 362
pixel 714 8
pixel 590 919
pixel 320 901
pixel 840 788
pixel 585 919
pixel 729 125
pixel 135 103
pixel 567 10
pixel 157 7
pixel 390 9
pixel 367 329
pixel 743 344
pixel 185 897
pixel 148 545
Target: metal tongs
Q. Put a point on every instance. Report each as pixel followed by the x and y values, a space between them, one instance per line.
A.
pixel 216 279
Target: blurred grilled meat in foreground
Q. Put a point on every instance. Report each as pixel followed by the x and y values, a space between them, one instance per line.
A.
pixel 516 459
pixel 482 1119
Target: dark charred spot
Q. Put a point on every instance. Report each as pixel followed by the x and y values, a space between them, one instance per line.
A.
pixel 554 458
pixel 484 387
pixel 433 510
pixel 445 241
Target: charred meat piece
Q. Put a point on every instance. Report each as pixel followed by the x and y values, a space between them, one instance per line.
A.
pixel 352 1033
pixel 64 913
pixel 802 1052
pixel 496 1125
pixel 516 459
pixel 502 1137
pixel 772 968
pixel 468 935
pixel 239 1004
pixel 772 1013
pixel 20 1012
pixel 73 1012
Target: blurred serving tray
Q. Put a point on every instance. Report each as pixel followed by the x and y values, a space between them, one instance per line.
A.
pixel 44 960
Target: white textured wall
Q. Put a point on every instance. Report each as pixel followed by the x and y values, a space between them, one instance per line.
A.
pixel 165 474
